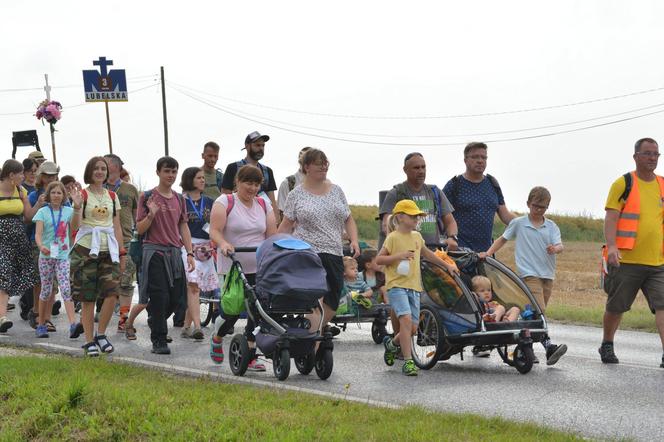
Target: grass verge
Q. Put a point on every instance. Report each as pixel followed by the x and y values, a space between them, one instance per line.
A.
pixel 64 398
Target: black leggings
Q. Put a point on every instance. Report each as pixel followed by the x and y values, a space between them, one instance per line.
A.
pixel 230 320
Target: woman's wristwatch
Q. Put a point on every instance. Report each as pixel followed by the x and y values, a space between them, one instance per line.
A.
pixel 190 254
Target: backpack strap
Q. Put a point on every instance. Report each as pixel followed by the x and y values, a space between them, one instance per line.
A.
pixel 628 187
pixel 220 177
pixel 496 186
pixel 113 196
pixel 230 202
pixel 84 194
pixel 261 202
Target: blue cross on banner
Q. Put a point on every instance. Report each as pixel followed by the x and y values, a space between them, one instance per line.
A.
pixel 105 85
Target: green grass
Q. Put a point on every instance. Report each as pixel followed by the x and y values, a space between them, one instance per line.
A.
pixel 572 228
pixel 57 398
pixel 639 318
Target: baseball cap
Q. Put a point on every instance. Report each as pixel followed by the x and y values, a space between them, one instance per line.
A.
pixel 408 207
pixel 255 136
pixel 36 155
pixel 115 157
pixel 48 168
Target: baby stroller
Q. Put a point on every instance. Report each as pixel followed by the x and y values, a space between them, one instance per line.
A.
pixel 289 283
pixel 451 316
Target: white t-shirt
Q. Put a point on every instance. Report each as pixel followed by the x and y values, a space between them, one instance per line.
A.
pixel 245 227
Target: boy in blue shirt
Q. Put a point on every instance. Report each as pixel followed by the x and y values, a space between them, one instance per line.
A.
pixel 538 242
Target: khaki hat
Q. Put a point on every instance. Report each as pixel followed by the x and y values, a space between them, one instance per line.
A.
pixel 36 155
pixel 408 207
pixel 48 168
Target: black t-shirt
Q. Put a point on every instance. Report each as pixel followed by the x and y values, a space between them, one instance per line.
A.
pixel 269 183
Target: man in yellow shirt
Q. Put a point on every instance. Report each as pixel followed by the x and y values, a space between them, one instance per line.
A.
pixel 633 228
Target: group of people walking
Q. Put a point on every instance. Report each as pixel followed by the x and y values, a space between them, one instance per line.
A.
pixel 56 235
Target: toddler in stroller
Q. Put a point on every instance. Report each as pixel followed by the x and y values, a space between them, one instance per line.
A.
pixel 290 281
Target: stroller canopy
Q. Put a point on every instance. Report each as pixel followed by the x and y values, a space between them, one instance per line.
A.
pixel 287 269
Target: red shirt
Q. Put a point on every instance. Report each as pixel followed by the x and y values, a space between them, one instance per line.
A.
pixel 165 227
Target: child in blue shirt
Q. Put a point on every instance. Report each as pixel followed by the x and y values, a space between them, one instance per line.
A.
pixel 538 242
pixel 52 231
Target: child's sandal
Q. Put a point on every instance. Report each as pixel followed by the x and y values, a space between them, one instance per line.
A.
pixel 104 344
pixel 90 349
pixel 130 332
pixel 216 351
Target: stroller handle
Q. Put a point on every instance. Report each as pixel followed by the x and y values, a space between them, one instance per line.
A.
pixel 241 250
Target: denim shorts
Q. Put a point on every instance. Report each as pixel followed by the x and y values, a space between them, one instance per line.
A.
pixel 404 301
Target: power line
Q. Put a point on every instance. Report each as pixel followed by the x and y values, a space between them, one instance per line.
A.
pixel 527 137
pixel 467 135
pixel 423 117
pixel 77 105
pixel 138 79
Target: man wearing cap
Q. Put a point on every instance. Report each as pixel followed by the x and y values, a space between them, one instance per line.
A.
pixel 128 196
pixel 255 146
pixel 37 156
pixel 46 173
pixel 428 197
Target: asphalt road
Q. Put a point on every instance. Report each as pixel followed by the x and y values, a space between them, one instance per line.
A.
pixel 579 394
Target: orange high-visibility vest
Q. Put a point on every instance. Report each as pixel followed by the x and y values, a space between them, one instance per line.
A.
pixel 628 222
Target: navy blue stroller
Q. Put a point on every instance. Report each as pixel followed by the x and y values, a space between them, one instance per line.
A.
pixel 289 284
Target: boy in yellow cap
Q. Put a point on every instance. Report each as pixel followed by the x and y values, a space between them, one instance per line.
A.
pixel 401 257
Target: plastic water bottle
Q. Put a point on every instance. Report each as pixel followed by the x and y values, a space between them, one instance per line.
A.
pixel 404 267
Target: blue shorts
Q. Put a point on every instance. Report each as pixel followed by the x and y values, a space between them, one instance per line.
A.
pixel 404 301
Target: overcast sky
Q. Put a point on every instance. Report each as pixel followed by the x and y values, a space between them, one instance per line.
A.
pixel 358 59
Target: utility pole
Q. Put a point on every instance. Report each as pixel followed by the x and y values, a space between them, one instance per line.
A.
pixel 108 128
pixel 47 89
pixel 163 103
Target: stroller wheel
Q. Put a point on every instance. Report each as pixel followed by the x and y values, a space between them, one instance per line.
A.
pixel 324 363
pixel 429 342
pixel 378 332
pixel 281 364
pixel 305 364
pixel 238 355
pixel 523 358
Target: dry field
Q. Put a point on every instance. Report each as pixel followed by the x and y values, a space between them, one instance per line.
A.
pixel 577 297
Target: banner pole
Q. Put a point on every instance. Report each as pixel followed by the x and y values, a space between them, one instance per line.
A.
pixel 108 127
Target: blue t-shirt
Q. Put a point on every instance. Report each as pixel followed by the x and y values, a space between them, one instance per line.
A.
pixel 530 248
pixel 198 214
pixel 475 205
pixel 32 199
pixel 60 234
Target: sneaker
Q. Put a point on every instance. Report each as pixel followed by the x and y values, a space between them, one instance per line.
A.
pixel 32 319
pixel 607 354
pixel 198 335
pixel 75 330
pixel 5 324
pixel 55 310
pixel 409 368
pixel 169 339
pixel 254 365
pixel 334 331
pixel 122 322
pixel 186 333
pixel 11 306
pixel 216 349
pixel 555 352
pixel 41 331
pixel 390 351
pixel 161 349
pixel 90 350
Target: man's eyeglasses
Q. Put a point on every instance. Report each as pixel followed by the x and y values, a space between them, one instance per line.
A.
pixel 539 206
pixel 649 154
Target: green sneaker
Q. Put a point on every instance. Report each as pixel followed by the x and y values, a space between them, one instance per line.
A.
pixel 409 368
pixel 391 351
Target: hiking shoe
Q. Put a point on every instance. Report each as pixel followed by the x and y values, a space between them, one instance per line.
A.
pixel 216 349
pixel 198 335
pixel 186 333
pixel 480 351
pixel 90 350
pixel 607 354
pixel 409 368
pixel 5 324
pixel 254 365
pixel 55 310
pixel 555 352
pixel 161 349
pixel 75 330
pixel 32 319
pixel 41 331
pixel 391 351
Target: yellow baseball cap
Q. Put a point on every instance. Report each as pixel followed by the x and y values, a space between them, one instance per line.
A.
pixel 408 207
